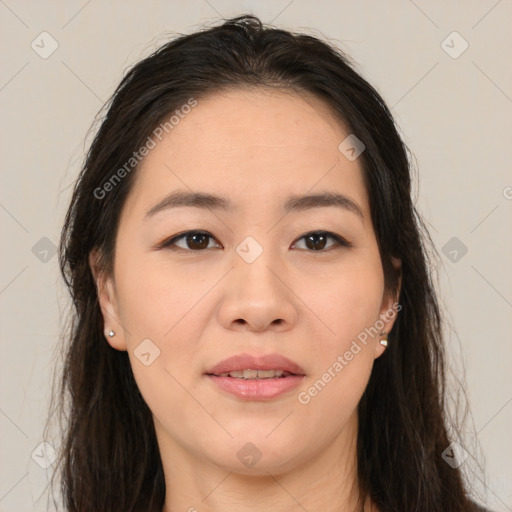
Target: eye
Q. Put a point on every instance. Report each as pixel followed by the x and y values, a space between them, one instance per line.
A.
pixel 193 240
pixel 196 241
pixel 316 240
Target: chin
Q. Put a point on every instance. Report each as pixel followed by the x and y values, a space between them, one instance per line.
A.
pixel 259 456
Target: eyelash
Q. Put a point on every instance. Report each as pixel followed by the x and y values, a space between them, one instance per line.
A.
pixel 168 244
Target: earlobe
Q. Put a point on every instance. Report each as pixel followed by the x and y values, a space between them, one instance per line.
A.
pixel 389 311
pixel 107 299
pixel 388 314
pixel 382 345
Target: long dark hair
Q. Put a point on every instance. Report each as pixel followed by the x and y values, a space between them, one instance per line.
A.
pixel 109 458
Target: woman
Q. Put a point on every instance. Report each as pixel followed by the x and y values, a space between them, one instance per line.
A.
pixel 255 325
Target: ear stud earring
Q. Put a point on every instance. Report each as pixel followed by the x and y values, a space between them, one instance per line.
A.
pixel 384 340
pixel 111 333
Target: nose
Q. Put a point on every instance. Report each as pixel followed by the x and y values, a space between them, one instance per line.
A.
pixel 257 296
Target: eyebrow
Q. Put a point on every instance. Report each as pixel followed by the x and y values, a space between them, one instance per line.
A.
pixel 294 203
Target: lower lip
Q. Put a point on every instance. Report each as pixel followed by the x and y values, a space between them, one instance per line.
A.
pixel 257 389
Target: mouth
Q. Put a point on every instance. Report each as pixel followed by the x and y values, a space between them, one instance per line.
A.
pixel 255 388
pixel 256 374
pixel 256 377
pixel 248 366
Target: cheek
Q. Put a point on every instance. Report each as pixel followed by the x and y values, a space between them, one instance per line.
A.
pixel 347 300
pixel 344 354
pixel 347 303
pixel 153 299
pixel 164 307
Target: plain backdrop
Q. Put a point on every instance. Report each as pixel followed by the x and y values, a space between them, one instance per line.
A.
pixel 442 66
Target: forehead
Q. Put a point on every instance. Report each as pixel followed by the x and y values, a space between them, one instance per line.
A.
pixel 251 143
pixel 243 118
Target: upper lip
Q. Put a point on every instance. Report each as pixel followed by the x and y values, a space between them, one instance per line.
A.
pixel 241 362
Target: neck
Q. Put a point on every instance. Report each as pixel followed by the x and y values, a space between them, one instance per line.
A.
pixel 327 481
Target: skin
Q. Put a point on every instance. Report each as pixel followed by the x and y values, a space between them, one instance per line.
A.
pixel 256 147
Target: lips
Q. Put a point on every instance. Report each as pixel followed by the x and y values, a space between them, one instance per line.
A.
pixel 248 362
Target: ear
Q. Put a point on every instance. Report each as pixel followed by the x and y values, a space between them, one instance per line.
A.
pixel 107 298
pixel 389 309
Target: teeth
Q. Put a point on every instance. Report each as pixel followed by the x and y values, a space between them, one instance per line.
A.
pixel 254 374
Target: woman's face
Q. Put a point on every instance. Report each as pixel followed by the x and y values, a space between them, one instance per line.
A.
pixel 255 284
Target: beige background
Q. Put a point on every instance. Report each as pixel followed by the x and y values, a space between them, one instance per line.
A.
pixel 456 117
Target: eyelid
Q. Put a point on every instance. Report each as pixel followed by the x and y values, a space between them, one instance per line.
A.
pixel 168 242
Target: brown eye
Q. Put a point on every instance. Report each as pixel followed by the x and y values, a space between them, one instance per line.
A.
pixel 197 241
pixel 316 241
pixel 193 241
